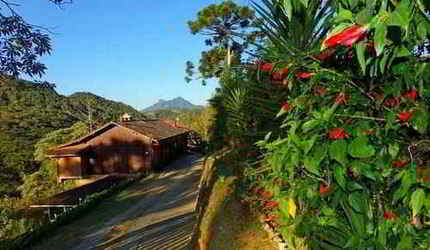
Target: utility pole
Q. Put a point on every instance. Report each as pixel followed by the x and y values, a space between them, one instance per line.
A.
pixel 90 122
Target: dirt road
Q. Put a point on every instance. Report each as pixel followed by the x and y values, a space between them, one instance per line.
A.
pixel 155 213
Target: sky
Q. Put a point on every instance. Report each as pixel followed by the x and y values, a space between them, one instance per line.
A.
pixel 132 51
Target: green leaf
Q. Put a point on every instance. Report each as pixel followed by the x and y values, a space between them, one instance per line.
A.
pixel 338 151
pixel 423 30
pixel 288 9
pixel 307 145
pixel 312 162
pixel 309 125
pixel 402 52
pixel 339 175
pixel 305 3
pixel 393 149
pixel 360 148
pixel 407 181
pixel 380 34
pixel 406 243
pixel 400 16
pixel 360 49
pixel 366 170
pixel 356 202
pixel 417 201
pixel 420 120
pixel 344 15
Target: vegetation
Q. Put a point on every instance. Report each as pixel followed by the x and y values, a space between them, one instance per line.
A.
pixel 30 111
pixel 22 44
pixel 230 29
pixel 343 161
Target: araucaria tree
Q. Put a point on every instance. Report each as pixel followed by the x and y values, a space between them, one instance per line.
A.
pixel 230 29
pixel 21 43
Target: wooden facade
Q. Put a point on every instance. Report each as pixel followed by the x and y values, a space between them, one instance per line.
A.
pixel 120 148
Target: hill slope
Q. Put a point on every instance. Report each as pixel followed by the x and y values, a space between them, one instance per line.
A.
pixel 28 111
pixel 176 103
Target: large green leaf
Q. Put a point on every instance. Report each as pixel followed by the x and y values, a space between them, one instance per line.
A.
pixel 312 161
pixel 417 201
pixel 360 48
pixel 309 125
pixel 338 151
pixel 393 149
pixel 420 120
pixel 400 17
pixel 360 148
pixel 339 175
pixel 380 34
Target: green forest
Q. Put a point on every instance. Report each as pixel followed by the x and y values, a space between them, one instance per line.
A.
pixel 30 111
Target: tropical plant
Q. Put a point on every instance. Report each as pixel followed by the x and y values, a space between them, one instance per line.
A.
pixel 352 170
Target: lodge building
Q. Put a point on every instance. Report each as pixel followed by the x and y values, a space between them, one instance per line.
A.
pixel 120 148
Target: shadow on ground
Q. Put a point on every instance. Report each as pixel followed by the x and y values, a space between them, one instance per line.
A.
pixel 155 213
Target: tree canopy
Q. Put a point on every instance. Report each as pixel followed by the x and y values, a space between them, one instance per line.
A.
pixel 21 43
pixel 230 29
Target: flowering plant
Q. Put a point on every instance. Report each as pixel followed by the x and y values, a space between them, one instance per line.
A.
pixel 351 162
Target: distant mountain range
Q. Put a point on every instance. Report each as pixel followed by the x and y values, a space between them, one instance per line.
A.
pixel 176 103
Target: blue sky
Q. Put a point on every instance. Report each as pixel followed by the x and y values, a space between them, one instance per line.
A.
pixel 133 51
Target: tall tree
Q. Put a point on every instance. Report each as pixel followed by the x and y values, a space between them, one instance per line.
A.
pixel 22 43
pixel 230 29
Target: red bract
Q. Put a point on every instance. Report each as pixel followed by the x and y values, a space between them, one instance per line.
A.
pixel 346 37
pixel 325 189
pixel 411 94
pixel 304 75
pixel 266 67
pixel 391 102
pixel 277 76
pixel 319 91
pixel 400 163
pixel 341 98
pixel 286 106
pixel 326 54
pixel 271 204
pixel 389 215
pixel 337 134
pixel 403 116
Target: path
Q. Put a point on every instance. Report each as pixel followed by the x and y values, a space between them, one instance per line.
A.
pixel 155 213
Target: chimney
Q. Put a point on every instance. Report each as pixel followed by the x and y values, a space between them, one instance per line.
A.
pixel 125 117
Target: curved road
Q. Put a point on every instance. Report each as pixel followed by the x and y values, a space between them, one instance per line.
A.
pixel 155 213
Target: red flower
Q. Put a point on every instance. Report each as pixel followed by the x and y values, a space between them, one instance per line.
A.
pixel 346 37
pixel 277 76
pixel 325 189
pixel 400 163
pixel 411 94
pixel 341 98
pixel 268 218
pixel 266 67
pixel 337 134
pixel 304 75
pixel 403 116
pixel 319 91
pixel 389 215
pixel 285 71
pixel 426 179
pixel 271 204
pixel 326 54
pixel 286 106
pixel 391 102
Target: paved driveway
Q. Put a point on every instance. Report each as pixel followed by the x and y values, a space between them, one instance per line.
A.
pixel 155 213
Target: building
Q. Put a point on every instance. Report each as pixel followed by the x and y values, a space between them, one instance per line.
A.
pixel 120 148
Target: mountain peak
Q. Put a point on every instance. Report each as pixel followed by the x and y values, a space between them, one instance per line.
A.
pixel 175 103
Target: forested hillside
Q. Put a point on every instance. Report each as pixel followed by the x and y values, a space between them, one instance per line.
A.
pixel 28 111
